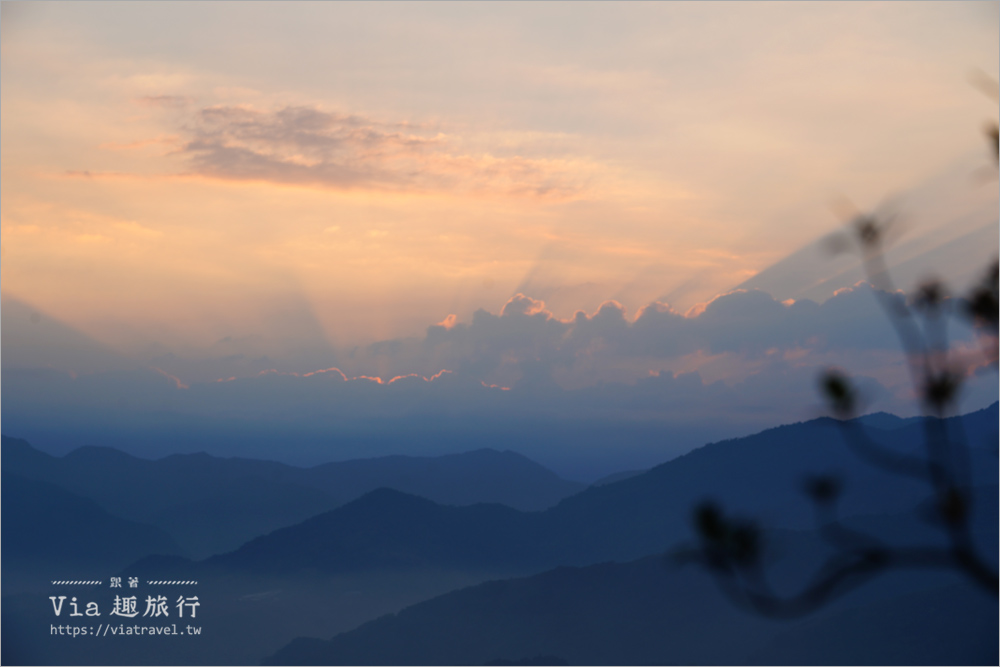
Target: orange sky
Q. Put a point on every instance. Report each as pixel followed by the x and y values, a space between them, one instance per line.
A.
pixel 178 173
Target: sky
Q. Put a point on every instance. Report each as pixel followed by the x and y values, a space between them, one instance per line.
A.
pixel 534 197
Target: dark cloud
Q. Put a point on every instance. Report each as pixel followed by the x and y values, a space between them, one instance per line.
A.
pixel 749 323
pixel 733 337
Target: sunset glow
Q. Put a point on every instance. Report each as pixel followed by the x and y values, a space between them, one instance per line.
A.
pixel 499 333
pixel 522 193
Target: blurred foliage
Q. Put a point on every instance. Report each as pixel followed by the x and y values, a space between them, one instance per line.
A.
pixel 731 548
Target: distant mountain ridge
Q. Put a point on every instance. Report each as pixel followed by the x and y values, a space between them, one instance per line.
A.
pixel 616 477
pixel 213 505
pixel 50 532
pixel 647 612
pixel 388 529
pixel 759 476
pixel 309 578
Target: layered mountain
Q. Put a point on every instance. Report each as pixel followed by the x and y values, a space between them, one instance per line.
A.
pixel 212 505
pixel 649 612
pixel 656 611
pixel 760 477
pixel 389 549
pixel 50 533
pixel 951 624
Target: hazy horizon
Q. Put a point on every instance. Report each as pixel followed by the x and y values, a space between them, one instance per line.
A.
pixel 230 224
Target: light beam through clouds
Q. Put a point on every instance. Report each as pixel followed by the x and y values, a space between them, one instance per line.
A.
pixel 220 189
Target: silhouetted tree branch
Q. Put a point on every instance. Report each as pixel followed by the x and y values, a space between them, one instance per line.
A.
pixel 731 548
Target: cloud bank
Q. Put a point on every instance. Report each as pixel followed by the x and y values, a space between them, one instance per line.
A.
pixel 624 392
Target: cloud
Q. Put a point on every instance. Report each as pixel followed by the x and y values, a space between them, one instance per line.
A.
pixel 744 362
pixel 302 145
pixel 619 391
pixel 733 334
pixel 323 416
pixel 524 306
pixel 729 338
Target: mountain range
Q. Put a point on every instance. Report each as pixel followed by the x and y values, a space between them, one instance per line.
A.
pixel 759 476
pixel 339 572
pixel 212 505
pixel 648 613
